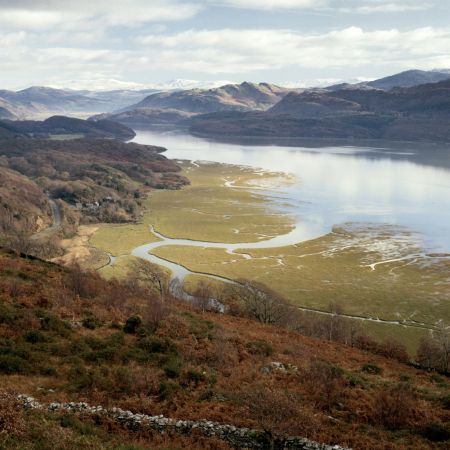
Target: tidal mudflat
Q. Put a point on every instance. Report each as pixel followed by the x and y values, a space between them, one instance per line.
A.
pixel 233 222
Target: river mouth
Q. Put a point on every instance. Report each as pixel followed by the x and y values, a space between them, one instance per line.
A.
pixel 368 231
pixel 406 185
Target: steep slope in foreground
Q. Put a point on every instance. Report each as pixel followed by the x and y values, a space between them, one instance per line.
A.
pixel 69 335
pixel 417 113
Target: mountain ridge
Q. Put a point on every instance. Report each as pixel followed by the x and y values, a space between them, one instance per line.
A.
pixel 416 113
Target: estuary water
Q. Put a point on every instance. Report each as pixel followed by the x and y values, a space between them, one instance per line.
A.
pixel 405 185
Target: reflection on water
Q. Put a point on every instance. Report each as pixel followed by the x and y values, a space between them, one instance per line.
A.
pixel 403 185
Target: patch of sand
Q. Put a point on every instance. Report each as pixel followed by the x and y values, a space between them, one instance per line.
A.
pixel 77 249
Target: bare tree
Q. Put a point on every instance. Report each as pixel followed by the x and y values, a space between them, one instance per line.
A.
pixel 203 296
pixel 277 413
pixel 434 350
pixel 263 304
pixel 150 275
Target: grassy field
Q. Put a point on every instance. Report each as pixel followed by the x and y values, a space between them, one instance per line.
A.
pixel 120 240
pixel 221 205
pixel 334 268
pixel 371 271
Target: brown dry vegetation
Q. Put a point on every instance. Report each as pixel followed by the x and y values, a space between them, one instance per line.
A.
pixel 106 177
pixel 66 334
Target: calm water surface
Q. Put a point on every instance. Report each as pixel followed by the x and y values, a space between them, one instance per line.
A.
pixel 404 185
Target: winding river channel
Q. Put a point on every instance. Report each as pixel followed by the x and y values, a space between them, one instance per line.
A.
pixel 401 185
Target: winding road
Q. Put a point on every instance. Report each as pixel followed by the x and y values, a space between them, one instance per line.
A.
pixel 56 213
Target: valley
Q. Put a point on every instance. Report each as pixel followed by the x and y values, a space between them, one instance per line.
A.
pixel 386 275
pixel 157 267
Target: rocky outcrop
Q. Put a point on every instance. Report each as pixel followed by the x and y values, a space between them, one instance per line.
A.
pixel 238 438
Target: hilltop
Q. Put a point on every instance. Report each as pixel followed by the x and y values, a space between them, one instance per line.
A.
pixel 173 107
pixel 408 78
pixel 86 181
pixel 416 113
pixel 67 127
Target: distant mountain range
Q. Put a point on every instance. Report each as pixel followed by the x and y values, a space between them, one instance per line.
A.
pixel 38 102
pixel 176 106
pixel 42 102
pixel 409 78
pixel 251 103
pixel 415 113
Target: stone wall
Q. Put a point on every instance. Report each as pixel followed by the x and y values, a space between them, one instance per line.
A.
pixel 239 438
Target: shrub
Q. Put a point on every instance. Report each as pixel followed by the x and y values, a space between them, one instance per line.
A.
pixel 172 368
pixel 14 364
pixel 356 380
pixel 53 324
pixel 116 339
pixel 436 432
pixel 99 356
pixel 207 395
pixel 8 314
pixel 200 328
pixel 277 413
pixel 82 379
pixel 91 323
pixel 167 389
pixel 132 324
pixel 49 371
pixel 155 344
pixel 445 401
pixel 73 422
pixel 326 384
pixel 259 347
pixel 391 348
pixel 36 337
pixel 195 376
pixel 373 369
pixel 394 406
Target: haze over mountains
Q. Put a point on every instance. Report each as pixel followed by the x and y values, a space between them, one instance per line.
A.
pixel 400 106
pixel 173 107
pixel 41 102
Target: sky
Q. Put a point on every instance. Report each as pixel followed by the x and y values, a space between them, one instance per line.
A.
pixel 106 44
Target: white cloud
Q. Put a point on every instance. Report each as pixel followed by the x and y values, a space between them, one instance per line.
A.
pixel 346 6
pixel 72 38
pixel 11 39
pixel 384 6
pixel 273 4
pixel 238 51
pixel 44 15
